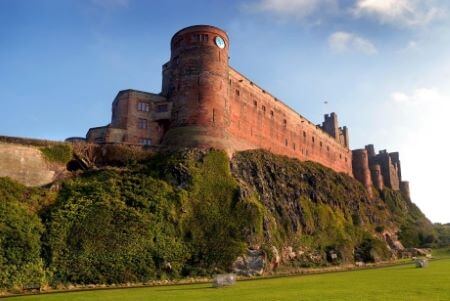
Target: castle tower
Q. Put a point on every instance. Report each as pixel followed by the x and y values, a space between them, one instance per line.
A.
pixel 404 188
pixel 377 178
pixel 195 80
pixel 361 172
pixel 331 125
pixel 370 150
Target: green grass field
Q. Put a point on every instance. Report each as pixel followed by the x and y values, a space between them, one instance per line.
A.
pixel 393 283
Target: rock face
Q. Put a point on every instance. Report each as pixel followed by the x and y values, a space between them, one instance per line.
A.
pixel 27 165
pixel 250 264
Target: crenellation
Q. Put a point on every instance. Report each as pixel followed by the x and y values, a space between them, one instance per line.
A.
pixel 385 168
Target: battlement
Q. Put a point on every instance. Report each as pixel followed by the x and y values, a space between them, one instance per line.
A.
pixel 384 169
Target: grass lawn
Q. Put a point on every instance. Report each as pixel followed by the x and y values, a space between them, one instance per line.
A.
pixel 393 283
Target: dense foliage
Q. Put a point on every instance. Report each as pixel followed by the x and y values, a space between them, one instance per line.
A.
pixel 443 234
pixel 191 213
pixel 20 232
pixel 59 153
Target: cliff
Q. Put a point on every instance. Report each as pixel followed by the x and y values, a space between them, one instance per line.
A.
pixel 194 213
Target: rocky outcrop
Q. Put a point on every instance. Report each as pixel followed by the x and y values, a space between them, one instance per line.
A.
pixel 250 264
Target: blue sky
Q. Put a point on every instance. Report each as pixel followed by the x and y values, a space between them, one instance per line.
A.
pixel 382 65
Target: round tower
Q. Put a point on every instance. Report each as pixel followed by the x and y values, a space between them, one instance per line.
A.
pixel 195 80
pixel 360 165
pixel 377 178
pixel 404 188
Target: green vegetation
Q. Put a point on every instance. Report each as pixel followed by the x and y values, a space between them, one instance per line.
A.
pixel 20 232
pixel 190 213
pixel 394 283
pixel 60 153
pixel 415 228
pixel 443 234
pixel 324 211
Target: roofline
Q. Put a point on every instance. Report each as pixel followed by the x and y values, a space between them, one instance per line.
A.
pixel 139 91
pixel 199 26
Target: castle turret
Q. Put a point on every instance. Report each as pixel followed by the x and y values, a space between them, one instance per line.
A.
pixel 377 178
pixel 361 172
pixel 370 150
pixel 196 81
pixel 404 188
pixel 331 125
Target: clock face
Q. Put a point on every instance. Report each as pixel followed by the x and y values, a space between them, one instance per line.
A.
pixel 220 42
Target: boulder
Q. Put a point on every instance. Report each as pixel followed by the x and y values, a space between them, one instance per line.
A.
pixel 250 264
pixel 421 263
pixel 222 280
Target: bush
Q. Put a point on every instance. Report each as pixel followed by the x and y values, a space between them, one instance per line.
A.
pixel 59 153
pixel 20 234
pixel 216 229
pixel 114 228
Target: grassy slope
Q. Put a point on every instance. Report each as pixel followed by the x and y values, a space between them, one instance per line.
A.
pixel 393 283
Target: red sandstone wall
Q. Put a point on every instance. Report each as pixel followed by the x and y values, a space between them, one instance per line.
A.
pixel 195 82
pixel 215 106
pixel 258 120
pixel 361 172
pixel 377 178
pixel 126 116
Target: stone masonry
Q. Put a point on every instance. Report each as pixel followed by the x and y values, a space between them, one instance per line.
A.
pixel 206 103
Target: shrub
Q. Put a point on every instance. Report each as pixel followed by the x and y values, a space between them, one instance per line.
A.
pixel 59 153
pixel 20 234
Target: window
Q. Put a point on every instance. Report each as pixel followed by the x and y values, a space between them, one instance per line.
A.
pixel 304 135
pixel 340 156
pixel 255 104
pixel 271 114
pixel 313 139
pixel 238 93
pixel 162 108
pixel 142 123
pixel 145 141
pixel 264 109
pixel 293 146
pixel 143 106
pixel 200 37
pixel 284 122
pixel 328 148
pixel 320 143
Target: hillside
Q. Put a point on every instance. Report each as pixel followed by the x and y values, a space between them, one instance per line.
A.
pixel 196 213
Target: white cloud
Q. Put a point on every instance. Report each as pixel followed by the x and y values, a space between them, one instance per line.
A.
pixel 348 42
pixel 419 130
pixel 399 12
pixel 299 9
pixel 419 97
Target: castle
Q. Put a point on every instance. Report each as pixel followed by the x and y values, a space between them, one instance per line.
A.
pixel 206 103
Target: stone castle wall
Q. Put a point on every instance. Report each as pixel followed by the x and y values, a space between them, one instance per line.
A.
pixel 210 104
pixel 216 106
pixel 26 164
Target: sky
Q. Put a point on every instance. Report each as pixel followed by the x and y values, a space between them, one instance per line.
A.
pixel 382 65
